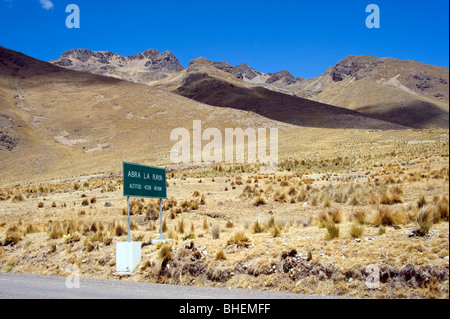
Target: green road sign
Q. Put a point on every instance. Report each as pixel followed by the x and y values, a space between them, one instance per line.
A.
pixel 144 181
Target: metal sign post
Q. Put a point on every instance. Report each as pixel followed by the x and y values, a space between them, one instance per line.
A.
pixel 161 235
pixel 128 209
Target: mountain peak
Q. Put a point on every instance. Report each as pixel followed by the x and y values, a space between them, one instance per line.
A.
pixel 147 66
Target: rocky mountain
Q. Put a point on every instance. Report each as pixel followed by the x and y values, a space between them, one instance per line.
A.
pixel 281 80
pixel 404 92
pixel 152 66
pixel 145 67
pixel 58 123
pixel 410 76
pixel 407 93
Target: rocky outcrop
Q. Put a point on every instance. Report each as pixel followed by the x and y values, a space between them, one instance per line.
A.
pixel 284 76
pixel 7 142
pixel 140 68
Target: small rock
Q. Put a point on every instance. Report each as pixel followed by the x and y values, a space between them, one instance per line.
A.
pixel 108 204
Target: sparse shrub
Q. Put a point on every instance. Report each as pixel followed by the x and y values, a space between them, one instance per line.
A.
pixel 386 216
pixel 270 223
pixel 280 196
pixel 327 203
pixel 56 231
pixel 119 229
pixel 89 245
pixel 356 231
pixel 322 219
pixel 53 205
pixel 240 239
pixel 205 224
pixel 164 255
pixel 220 255
pixel 180 226
pixel 332 231
pixel 189 236
pixel 275 231
pixel 257 228
pixel 41 205
pixel 358 216
pixel 12 238
pixel 8 266
pixel 381 230
pixel 390 198
pixel 425 221
pixel 164 224
pixel 85 202
pixel 335 216
pixel 229 224
pixel 215 231
pixel 442 209
pixel 260 201
pixel 422 201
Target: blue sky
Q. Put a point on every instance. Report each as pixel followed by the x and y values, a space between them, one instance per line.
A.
pixel 304 37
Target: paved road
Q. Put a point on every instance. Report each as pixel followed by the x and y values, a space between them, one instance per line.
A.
pixel 22 286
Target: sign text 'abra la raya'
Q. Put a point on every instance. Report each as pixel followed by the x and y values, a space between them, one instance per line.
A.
pixel 153 177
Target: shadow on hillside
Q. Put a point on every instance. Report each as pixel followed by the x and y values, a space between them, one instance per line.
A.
pixel 274 105
pixel 419 114
pixel 19 65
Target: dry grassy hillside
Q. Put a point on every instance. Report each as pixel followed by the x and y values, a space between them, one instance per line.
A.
pixel 403 92
pixel 65 123
pixel 68 123
pixel 205 84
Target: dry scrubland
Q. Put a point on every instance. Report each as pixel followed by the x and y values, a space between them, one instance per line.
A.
pixel 313 227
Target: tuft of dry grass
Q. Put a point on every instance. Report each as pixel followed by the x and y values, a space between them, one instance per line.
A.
pixel 424 221
pixel 442 209
pixel 257 228
pixel 215 231
pixel 180 226
pixel 421 202
pixel 358 216
pixel 356 230
pixel 332 215
pixel 240 239
pixel 260 201
pixel 387 216
pixel 332 231
pixel 220 255
pixel 390 198
pixel 165 253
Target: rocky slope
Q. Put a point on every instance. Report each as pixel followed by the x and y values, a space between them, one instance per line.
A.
pixel 408 93
pixel 145 67
pixel 404 92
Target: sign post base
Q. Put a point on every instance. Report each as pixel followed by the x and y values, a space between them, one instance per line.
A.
pixel 128 256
